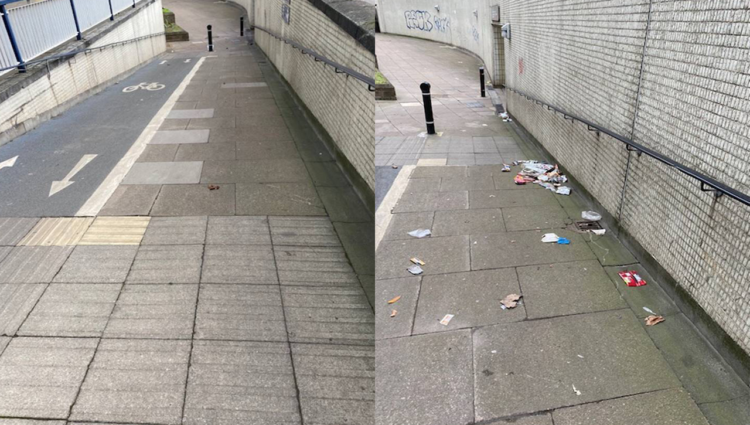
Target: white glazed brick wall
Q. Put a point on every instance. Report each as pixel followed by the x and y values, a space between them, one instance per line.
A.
pixel 87 71
pixel 694 106
pixel 343 105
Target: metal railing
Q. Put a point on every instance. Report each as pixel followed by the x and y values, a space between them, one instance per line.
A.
pixel 339 68
pixel 33 29
pixel 707 184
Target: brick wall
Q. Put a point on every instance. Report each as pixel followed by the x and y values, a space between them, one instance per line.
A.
pixel 343 105
pixel 44 94
pixel 678 83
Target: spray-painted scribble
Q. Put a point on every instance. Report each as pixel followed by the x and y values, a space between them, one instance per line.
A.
pixel 475 33
pixel 418 20
pixel 442 24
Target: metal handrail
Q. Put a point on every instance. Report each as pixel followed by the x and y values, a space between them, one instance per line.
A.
pixel 89 49
pixel 339 68
pixel 717 187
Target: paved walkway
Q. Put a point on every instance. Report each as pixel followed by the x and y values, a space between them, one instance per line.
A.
pixel 574 351
pixel 225 281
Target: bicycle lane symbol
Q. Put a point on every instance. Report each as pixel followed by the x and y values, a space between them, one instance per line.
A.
pixel 144 86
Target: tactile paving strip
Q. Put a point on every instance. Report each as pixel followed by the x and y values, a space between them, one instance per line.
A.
pixel 60 231
pixel 116 231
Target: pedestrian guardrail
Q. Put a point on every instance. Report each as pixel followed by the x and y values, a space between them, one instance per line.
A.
pixel 30 30
pixel 707 184
pixel 338 68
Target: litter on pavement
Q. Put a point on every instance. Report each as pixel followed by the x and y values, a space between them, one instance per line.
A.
pixel 631 278
pixel 599 232
pixel 420 233
pixel 415 270
pixel 416 260
pixel 648 310
pixel 546 175
pixel 550 238
pixel 511 301
pixel 653 320
pixel 394 299
pixel 563 241
pixel 394 313
pixel 591 215
pixel 447 319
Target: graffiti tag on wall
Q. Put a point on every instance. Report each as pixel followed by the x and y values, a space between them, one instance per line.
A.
pixel 422 20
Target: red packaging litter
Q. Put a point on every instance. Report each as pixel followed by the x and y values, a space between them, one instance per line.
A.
pixel 519 180
pixel 631 278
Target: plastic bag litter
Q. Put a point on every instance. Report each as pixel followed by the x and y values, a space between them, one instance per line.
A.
pixel 420 233
pixel 415 270
pixel 563 190
pixel 591 215
pixel 599 232
pixel 563 241
pixel 550 238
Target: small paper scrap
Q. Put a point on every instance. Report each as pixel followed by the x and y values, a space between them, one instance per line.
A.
pixel 415 270
pixel 446 319
pixel 652 320
pixel 511 301
pixel 420 233
pixel 393 313
pixel 416 260
pixel 394 300
pixel 599 232
pixel 550 238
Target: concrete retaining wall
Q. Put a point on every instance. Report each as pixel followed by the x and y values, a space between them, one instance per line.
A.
pixel 249 6
pixel 343 105
pixel 32 98
pixel 462 23
pixel 673 76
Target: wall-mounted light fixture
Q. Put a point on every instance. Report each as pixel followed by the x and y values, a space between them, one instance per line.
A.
pixel 505 31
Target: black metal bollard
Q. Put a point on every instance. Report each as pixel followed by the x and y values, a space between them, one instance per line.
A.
pixel 481 80
pixel 427 99
pixel 242 26
pixel 210 39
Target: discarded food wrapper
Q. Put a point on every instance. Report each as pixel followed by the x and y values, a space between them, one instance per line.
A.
pixel 550 237
pixel 591 215
pixel 631 278
pixel 394 313
pixel 519 180
pixel 511 301
pixel 576 390
pixel 394 167
pixel 648 310
pixel 213 187
pixel 563 190
pixel 652 320
pixel 420 233
pixel 599 232
pixel 506 168
pixel 504 115
pixel 416 260
pixel 394 299
pixel 415 270
pixel 447 319
pixel 563 241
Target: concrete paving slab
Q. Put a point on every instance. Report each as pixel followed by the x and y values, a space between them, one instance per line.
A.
pixel 568 288
pixel 505 182
pixel 243 264
pixel 131 200
pixel 72 310
pixel 468 222
pixel 536 419
pixel 167 264
pixel 359 243
pixel 33 264
pixel 532 218
pixel 669 407
pixel 473 298
pixel 241 382
pixel 467 183
pixel 525 248
pixel 368 285
pixel 154 312
pixel 158 153
pixel 423 185
pixel 164 173
pixel 97 264
pixel 650 296
pixel 57 231
pixel 174 124
pixel 179 200
pixel 206 152
pixel 180 137
pixel 278 199
pixel 135 381
pixel 439 172
pixel 268 134
pixel 30 422
pixel 16 302
pixel 183 114
pixel 262 150
pixel 326 174
pixel 702 372
pixel 238 231
pixel 41 376
pixel 4 341
pixel 12 230
pixel 512 198
pixel 336 384
pixel 441 255
pixel 432 201
pixel 609 250
pixel 314 266
pixel 243 85
pixel 176 231
pixel 240 312
pixel 251 122
pixel 303 231
pixel 332 315
pixel 387 326
pixel 343 205
pixel 601 355
pixel 267 171
pixel 4 251
pixel 115 231
pixel 428 379
pixel 727 412
pixel 402 224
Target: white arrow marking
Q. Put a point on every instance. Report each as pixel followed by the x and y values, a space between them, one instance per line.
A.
pixel 62 184
pixel 8 162
pixel 187 60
